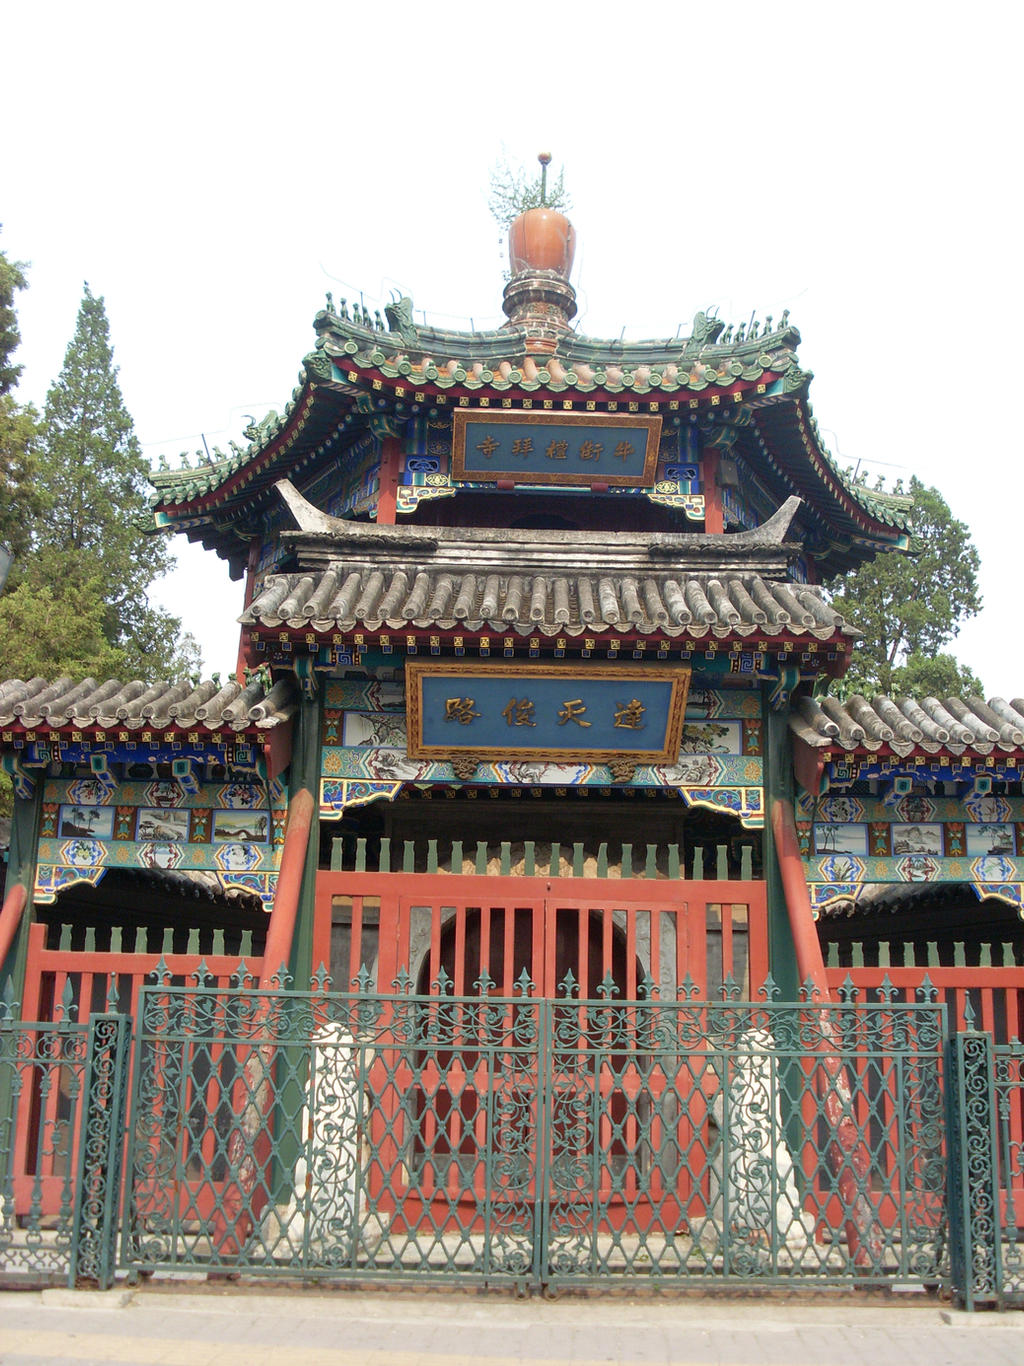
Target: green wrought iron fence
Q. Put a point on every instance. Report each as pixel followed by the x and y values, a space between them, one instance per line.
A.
pixel 985 1122
pixel 533 1141
pixel 62 1110
pixel 1009 1137
pixel 42 1079
pixel 515 1140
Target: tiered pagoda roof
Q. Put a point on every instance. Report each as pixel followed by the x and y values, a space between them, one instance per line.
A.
pixel 699 587
pixel 362 378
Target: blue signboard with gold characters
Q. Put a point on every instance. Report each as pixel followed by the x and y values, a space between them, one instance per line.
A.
pixel 556 448
pixel 544 711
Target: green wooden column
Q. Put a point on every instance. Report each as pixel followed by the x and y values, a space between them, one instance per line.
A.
pixel 779 782
pixel 22 869
pixel 305 774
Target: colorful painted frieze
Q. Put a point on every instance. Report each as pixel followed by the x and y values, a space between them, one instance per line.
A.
pixel 718 762
pixel 854 840
pixel 90 824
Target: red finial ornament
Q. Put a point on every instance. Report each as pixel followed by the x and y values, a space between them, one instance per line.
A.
pixel 545 161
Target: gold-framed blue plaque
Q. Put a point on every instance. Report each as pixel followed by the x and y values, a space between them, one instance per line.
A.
pixel 547 447
pixel 564 713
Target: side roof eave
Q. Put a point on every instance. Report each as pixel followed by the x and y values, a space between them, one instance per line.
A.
pixel 957 728
pixel 354 368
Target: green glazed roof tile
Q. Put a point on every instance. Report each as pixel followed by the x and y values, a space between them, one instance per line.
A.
pixel 443 360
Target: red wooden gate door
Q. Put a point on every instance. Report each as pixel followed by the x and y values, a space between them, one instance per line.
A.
pixel 639 936
pixel 525 1140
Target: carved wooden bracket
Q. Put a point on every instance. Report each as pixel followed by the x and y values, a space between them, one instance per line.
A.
pixel 465 765
pixel 622 770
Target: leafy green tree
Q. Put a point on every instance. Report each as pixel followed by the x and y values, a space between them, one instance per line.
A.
pixel 909 606
pixel 19 424
pixel 12 278
pixel 936 676
pixel 91 533
pixel 56 631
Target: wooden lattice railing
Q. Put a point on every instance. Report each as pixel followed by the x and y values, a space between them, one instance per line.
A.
pixel 109 977
pixel 987 994
pixel 538 858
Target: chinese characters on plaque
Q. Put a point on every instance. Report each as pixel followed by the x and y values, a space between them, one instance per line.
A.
pixel 545 710
pixel 520 712
pixel 551 448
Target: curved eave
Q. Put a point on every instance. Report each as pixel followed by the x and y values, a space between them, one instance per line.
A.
pixel 786 435
pixel 209 504
pixel 219 514
pixel 357 369
pixel 187 493
pixel 375 364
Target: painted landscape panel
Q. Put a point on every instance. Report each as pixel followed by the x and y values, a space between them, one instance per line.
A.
pixel 990 837
pixel 840 838
pixel 165 824
pixel 917 838
pixel 90 822
pixel 241 826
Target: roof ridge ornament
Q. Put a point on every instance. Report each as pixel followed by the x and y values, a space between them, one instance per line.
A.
pixel 705 331
pixel 772 532
pixel 311 520
pixel 541 247
pixel 400 319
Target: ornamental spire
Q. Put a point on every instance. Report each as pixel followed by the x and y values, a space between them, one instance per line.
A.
pixel 541 247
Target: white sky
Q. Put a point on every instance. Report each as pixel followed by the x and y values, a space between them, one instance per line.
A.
pixel 211 169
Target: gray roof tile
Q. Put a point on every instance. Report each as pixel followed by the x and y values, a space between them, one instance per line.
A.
pixel 36 704
pixel 955 726
pixel 696 605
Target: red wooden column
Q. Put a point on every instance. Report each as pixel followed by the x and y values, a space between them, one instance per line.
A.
pixel 714 520
pixel 847 1153
pixel 250 593
pixel 249 1144
pixel 390 463
pixel 281 930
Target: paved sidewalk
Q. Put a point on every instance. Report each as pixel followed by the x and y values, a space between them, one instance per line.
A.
pixel 240 1326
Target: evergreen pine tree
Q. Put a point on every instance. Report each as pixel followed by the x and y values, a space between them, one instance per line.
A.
pixel 12 278
pixel 19 499
pixel 91 534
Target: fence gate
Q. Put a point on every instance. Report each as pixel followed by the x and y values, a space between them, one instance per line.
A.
pixel 985 1117
pixel 520 1140
pixel 62 1107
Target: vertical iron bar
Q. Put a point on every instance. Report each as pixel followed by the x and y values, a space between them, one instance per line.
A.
pixel 101 1147
pixel 974 1214
pixel 544 1140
